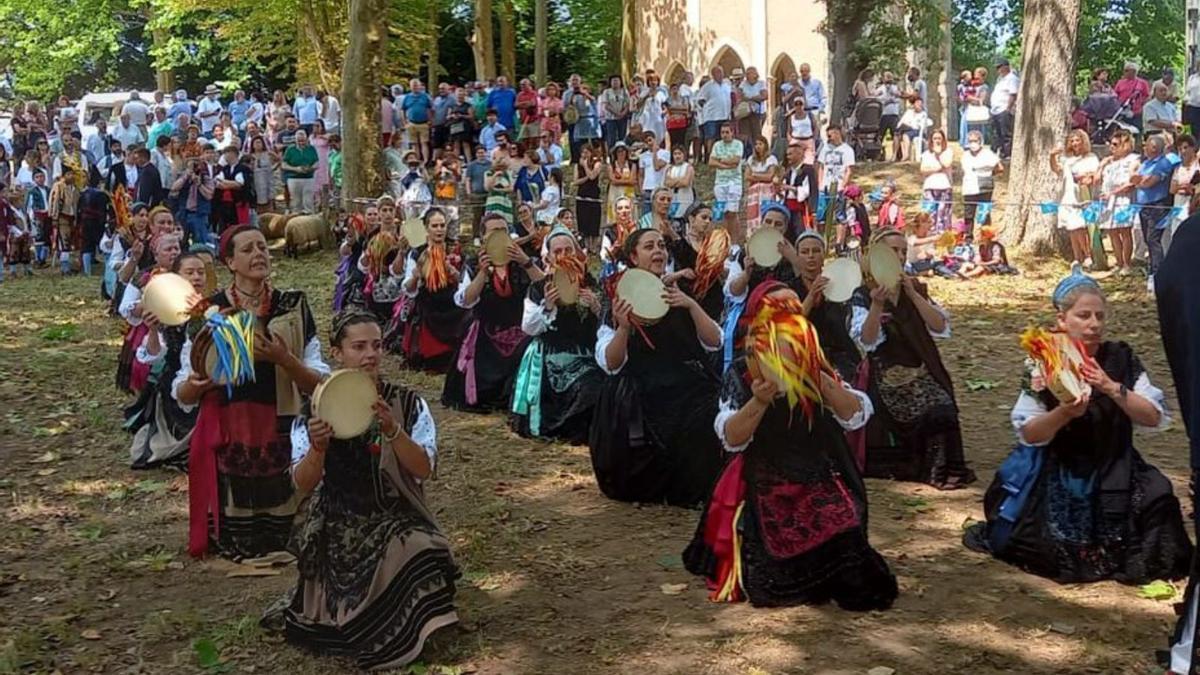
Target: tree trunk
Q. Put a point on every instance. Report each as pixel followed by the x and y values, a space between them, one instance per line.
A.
pixel 937 70
pixel 628 39
pixel 1042 107
pixel 539 43
pixel 508 40
pixel 482 45
pixel 841 68
pixel 434 69
pixel 365 52
pixel 319 28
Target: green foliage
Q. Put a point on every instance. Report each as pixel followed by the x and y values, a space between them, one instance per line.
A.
pixel 976 26
pixel 885 41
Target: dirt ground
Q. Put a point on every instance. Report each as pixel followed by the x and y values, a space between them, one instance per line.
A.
pixel 556 578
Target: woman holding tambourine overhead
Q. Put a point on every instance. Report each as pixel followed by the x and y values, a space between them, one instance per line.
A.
pixel 825 286
pixel 429 321
pixel 787 522
pixel 1075 501
pixel 766 255
pixel 493 291
pixel 558 380
pixel 651 437
pixel 376 575
pixel 241 497
pixel 915 433
pixel 698 258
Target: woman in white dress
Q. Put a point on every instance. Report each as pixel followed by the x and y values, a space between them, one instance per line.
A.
pixel 652 98
pixel 1116 192
pixel 680 179
pixel 1076 166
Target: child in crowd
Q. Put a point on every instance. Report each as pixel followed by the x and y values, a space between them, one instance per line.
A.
pixel 891 214
pixel 993 258
pixel 922 247
pixel 854 222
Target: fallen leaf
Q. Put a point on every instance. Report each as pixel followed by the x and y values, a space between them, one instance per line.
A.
pixel 1062 628
pixel 673 589
pixel 90 634
pixel 46 472
pixel 1157 590
pixel 881 670
pixel 45 459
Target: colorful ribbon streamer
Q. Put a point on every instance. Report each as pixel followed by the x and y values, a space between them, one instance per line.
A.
pixel 1049 208
pixel 982 211
pixel 233 338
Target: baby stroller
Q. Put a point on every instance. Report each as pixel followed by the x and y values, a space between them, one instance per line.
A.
pixel 1104 128
pixel 865 134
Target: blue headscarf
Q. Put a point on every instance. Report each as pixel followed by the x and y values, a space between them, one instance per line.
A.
pixel 1076 279
pixel 767 207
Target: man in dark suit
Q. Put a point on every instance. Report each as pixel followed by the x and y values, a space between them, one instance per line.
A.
pixel 149 188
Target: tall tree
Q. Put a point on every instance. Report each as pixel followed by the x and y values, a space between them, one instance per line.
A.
pixel 434 70
pixel 1048 72
pixel 508 40
pixel 628 39
pixel 540 45
pixel 482 45
pixel 362 75
pixel 845 21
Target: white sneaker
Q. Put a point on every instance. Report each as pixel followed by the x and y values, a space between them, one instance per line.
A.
pixel 1087 262
pixel 1150 284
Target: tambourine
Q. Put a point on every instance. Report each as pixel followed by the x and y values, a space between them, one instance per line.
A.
pixel 496 245
pixel 344 400
pixel 568 274
pixel 206 356
pixel 845 276
pixel 166 296
pixel 643 291
pixel 883 264
pixel 764 247
pixel 413 230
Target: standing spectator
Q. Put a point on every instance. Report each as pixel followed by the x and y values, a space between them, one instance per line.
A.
pixel 1160 113
pixel 442 103
pixel 814 91
pixel 965 87
pixel 331 112
pixel 320 140
pixel 1183 180
pixel 487 135
pixel 1003 103
pixel 1168 80
pixel 798 187
pixel 461 124
pixel 278 111
pixel 726 157
pixel 716 101
pixel 916 88
pixel 503 100
pixel 238 108
pixel 209 110
pixel 286 137
pixel 1191 102
pixel 527 108
pixel 801 124
pixel 835 163
pixel 549 153
pixel 551 107
pixel 1076 165
pixel 231 199
pixel 616 107
pixel 679 118
pixel 387 120
pixel 680 178
pixel 977 114
pixel 479 102
pixel 476 174
pixel 531 179
pixel 588 168
pixel 1153 193
pixel 586 129
pixel 180 106
pixel 263 163
pixel 135 107
pixel 888 93
pixel 1116 190
pixel 127 133
pixel 979 167
pixel 1100 76
pixel 937 166
pixel 762 173
pixel 752 90
pixel 652 165
pixel 417 110
pixel 622 178
pixel 193 190
pixel 299 165
pixel 256 114
pixel 307 109
pixel 161 127
pixel 161 158
pixel 148 189
pixel 1132 91
pixel 652 97
pixel 568 119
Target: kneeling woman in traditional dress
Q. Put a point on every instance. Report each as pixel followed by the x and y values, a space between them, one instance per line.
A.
pixel 1075 501
pixel 787 522
pixel 698 258
pixel 241 498
pixel 651 438
pixel 430 323
pixel 915 434
pixel 133 374
pixel 162 429
pixel 558 380
pixel 484 366
pixel 828 317
pixel 376 573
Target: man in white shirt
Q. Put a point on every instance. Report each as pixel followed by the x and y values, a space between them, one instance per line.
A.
pixel 550 154
pixel 979 167
pixel 96 145
pixel 917 89
pixel 1168 80
pixel 835 161
pixel 307 109
pixel 1003 105
pixel 127 133
pixel 1191 100
pixel 716 99
pixel 331 112
pixel 653 163
pixel 138 111
pixel 1160 113
pixel 754 90
pixel 209 110
pixel 888 94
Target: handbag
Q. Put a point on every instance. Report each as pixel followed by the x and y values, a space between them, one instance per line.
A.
pixel 677 121
pixel 742 110
pixel 571 115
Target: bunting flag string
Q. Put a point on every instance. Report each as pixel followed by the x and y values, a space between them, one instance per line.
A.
pixel 982 211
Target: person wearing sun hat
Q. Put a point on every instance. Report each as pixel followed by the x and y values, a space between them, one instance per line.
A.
pixel 1075 501
pixel 241 496
pixel 558 381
